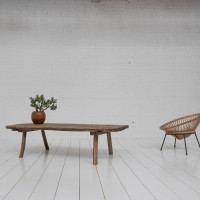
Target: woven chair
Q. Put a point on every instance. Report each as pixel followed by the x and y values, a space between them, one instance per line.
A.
pixel 181 128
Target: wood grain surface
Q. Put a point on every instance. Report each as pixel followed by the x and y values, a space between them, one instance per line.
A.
pixel 67 127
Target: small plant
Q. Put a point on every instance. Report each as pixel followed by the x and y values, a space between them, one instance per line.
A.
pixel 41 104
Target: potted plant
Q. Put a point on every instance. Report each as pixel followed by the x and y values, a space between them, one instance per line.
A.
pixel 41 104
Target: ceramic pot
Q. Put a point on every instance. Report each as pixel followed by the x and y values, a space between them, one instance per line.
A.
pixel 38 117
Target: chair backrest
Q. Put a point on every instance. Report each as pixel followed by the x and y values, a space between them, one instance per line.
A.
pixel 182 124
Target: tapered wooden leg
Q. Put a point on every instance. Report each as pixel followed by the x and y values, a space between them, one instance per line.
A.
pixel 23 144
pixel 45 140
pixel 95 149
pixel 109 139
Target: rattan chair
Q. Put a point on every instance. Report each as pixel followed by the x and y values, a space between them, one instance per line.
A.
pixel 182 128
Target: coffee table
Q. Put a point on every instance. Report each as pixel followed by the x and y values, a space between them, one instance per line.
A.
pixel 94 129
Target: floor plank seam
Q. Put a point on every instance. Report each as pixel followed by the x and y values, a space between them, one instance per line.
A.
pixel 44 171
pixel 171 163
pixel 23 175
pixel 150 171
pixel 8 159
pixel 189 186
pixel 115 172
pixel 136 168
pixel 18 163
pixel 67 152
pixel 136 175
pixel 98 175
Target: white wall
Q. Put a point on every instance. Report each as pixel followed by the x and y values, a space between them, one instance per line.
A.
pixel 116 61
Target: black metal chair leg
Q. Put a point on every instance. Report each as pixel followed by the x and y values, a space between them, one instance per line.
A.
pixel 185 145
pixel 175 142
pixel 197 139
pixel 163 143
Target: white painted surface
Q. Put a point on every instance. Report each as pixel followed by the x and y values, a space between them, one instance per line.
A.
pixel 90 183
pixel 109 62
pixel 48 182
pixel 68 187
pixel 137 170
pixel 29 180
pixel 178 182
pixel 131 182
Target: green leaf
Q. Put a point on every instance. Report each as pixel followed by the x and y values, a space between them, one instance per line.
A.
pixel 41 104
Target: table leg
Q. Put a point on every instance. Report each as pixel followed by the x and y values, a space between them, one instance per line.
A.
pixel 23 144
pixel 95 149
pixel 45 140
pixel 109 139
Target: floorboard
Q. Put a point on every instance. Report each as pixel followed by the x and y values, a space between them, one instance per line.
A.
pixel 68 187
pixel 136 170
pixel 15 170
pixel 90 185
pixel 112 186
pixel 133 185
pixel 168 176
pixel 49 180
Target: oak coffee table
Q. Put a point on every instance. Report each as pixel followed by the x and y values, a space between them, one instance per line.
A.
pixel 94 129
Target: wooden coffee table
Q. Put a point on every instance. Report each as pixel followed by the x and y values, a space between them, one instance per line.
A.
pixel 94 129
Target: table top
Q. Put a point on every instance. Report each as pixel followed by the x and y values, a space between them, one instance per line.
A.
pixel 67 127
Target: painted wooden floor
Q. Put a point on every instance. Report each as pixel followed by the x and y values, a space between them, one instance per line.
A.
pixel 138 170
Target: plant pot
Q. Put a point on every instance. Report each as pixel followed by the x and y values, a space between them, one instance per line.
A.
pixel 38 117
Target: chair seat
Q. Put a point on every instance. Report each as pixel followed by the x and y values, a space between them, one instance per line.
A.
pixel 180 135
pixel 181 128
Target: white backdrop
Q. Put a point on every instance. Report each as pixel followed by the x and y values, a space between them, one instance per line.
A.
pixel 112 62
